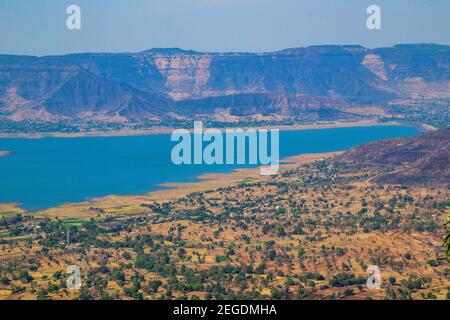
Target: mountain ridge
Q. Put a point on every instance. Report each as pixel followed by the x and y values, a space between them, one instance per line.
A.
pixel 160 83
pixel 422 160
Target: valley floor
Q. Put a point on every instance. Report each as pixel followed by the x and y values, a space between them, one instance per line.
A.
pixel 311 232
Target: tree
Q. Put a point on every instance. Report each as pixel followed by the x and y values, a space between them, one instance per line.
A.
pixel 392 280
pixel 42 295
pixel 85 295
pixel 25 277
pixel 126 255
pixel 153 286
pixel 276 294
pixel 301 294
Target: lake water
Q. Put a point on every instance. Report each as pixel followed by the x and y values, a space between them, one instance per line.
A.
pixel 43 173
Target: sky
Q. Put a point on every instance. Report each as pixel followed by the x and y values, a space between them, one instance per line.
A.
pixel 33 27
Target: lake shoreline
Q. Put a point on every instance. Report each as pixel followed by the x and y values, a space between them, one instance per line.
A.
pixel 173 191
pixel 167 130
pixel 168 191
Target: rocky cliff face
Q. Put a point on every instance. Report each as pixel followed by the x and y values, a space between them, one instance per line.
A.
pixel 374 63
pixel 313 82
pixel 186 75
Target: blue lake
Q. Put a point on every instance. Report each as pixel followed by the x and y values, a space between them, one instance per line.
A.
pixel 43 173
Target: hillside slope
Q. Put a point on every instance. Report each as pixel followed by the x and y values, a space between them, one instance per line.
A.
pixel 423 160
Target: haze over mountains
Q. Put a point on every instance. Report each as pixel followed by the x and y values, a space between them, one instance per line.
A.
pixel 313 83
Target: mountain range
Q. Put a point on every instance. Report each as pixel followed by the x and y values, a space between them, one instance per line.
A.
pixel 314 83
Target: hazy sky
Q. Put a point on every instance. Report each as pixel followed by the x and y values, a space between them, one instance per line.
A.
pixel 39 27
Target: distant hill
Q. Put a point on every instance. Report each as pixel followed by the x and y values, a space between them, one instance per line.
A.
pixel 423 160
pixel 315 83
